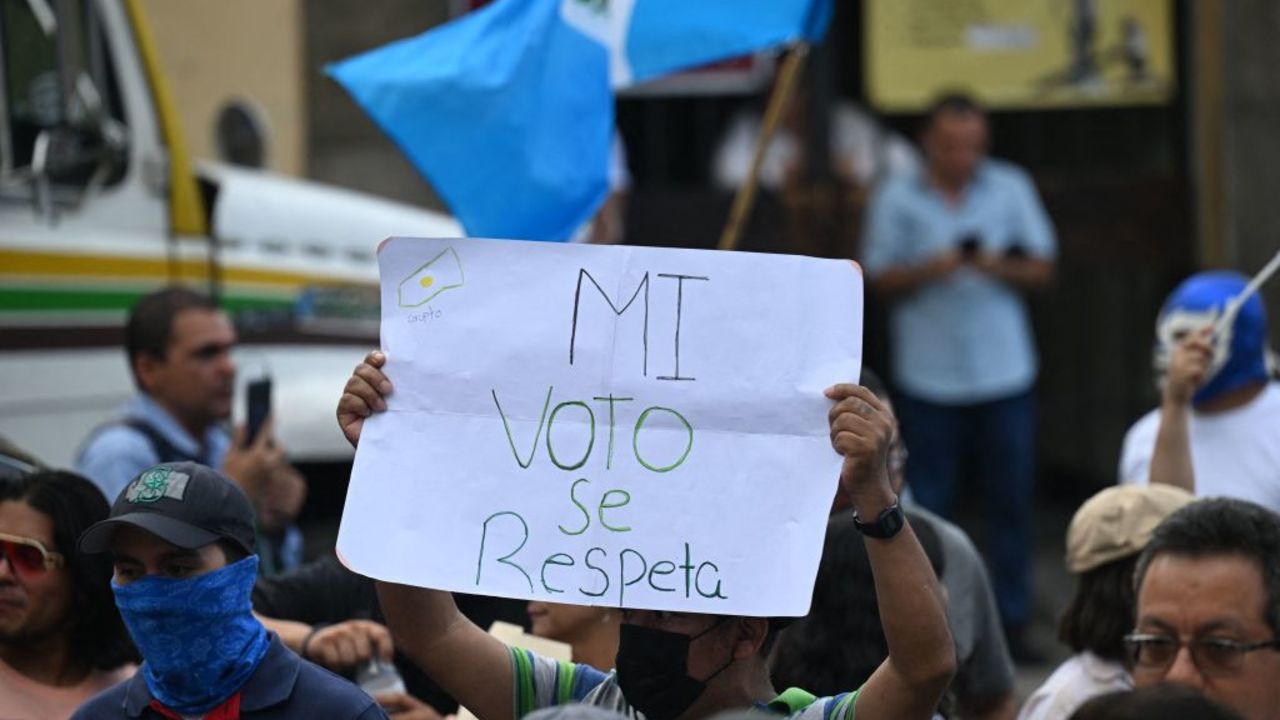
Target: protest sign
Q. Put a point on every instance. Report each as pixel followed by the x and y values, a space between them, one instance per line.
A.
pixel 624 426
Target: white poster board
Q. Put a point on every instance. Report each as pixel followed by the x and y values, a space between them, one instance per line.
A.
pixel 623 426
